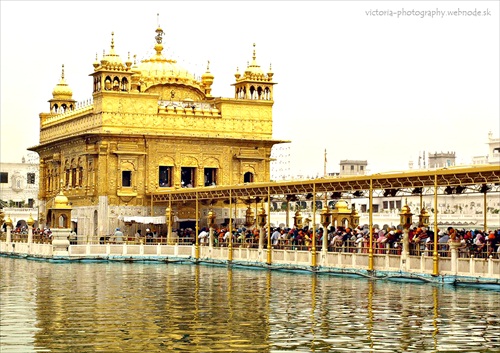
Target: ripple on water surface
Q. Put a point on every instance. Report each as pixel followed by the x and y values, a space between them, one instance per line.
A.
pixel 122 307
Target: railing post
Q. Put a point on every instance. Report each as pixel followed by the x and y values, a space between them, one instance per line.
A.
pixel 454 245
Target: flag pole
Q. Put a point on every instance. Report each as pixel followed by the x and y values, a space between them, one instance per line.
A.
pixel 324 165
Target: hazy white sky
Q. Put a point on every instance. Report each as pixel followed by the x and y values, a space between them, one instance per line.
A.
pixel 357 78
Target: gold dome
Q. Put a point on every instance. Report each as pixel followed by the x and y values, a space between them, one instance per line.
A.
pixel 30 221
pixel 8 222
pixel 62 90
pixel 207 77
pixel 160 70
pixel 112 60
pixel 341 204
pixel 406 209
pixel 61 201
pixel 253 70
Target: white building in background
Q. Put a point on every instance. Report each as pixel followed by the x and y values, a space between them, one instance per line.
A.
pixel 19 189
pixel 493 156
pixel 460 210
pixel 280 162
pixel 353 167
pixel 441 159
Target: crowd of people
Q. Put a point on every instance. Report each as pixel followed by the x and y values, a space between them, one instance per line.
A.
pixel 476 243
pixel 386 240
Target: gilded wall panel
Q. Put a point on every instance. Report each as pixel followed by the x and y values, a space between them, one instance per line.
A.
pixel 210 162
pixel 189 161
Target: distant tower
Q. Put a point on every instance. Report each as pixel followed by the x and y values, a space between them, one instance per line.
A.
pixel 353 167
pixel 441 160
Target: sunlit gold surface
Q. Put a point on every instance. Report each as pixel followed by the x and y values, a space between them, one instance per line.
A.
pixel 157 114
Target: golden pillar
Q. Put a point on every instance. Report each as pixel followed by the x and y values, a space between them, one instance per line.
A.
pixel 485 208
pixel 168 220
pixel 326 219
pixel 197 227
pixel 211 223
pixel 435 259
pixel 269 246
pixel 313 248
pixel 370 221
pixel 261 221
pixel 230 230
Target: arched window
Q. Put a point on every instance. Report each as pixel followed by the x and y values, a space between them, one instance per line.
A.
pixel 248 177
pixel 252 92
pixel 107 84
pixel 124 86
pixel 259 93
pixel 116 84
pixel 267 94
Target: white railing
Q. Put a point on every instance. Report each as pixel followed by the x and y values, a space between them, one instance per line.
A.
pixel 421 264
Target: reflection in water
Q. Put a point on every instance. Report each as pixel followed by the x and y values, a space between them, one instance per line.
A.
pixel 112 307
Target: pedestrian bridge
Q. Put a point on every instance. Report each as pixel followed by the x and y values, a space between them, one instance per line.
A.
pixel 415 267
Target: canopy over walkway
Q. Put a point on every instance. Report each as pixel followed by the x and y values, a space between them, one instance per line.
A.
pixel 445 181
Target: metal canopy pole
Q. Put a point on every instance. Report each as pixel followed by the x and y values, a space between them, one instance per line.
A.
pixel 313 248
pixel 435 259
pixel 197 246
pixel 370 214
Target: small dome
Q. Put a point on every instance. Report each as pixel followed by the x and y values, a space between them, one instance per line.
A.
pixel 207 77
pixel 8 222
pixel 341 204
pixel 30 221
pixel 253 68
pixel 112 59
pixel 62 90
pixel 61 201
pixel 406 209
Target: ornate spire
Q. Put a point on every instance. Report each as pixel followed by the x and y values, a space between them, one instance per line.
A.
pixel 159 31
pixel 62 90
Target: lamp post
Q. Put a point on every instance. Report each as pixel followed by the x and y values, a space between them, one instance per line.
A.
pixel 297 219
pixel 168 220
pixel 2 215
pixel 30 222
pixel 326 219
pixel 211 223
pixel 249 217
pixel 405 221
pixel 8 224
pixel 249 221
pixel 423 218
pixel 261 221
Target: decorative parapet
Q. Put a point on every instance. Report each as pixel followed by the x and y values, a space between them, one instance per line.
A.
pixel 81 108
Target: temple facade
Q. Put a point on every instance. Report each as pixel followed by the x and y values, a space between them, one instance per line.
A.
pixel 150 127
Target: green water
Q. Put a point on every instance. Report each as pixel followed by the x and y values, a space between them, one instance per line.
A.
pixel 147 307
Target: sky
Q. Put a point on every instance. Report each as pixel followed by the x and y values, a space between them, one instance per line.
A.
pixel 381 81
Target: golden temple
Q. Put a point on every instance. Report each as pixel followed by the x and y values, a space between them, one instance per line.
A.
pixel 151 127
